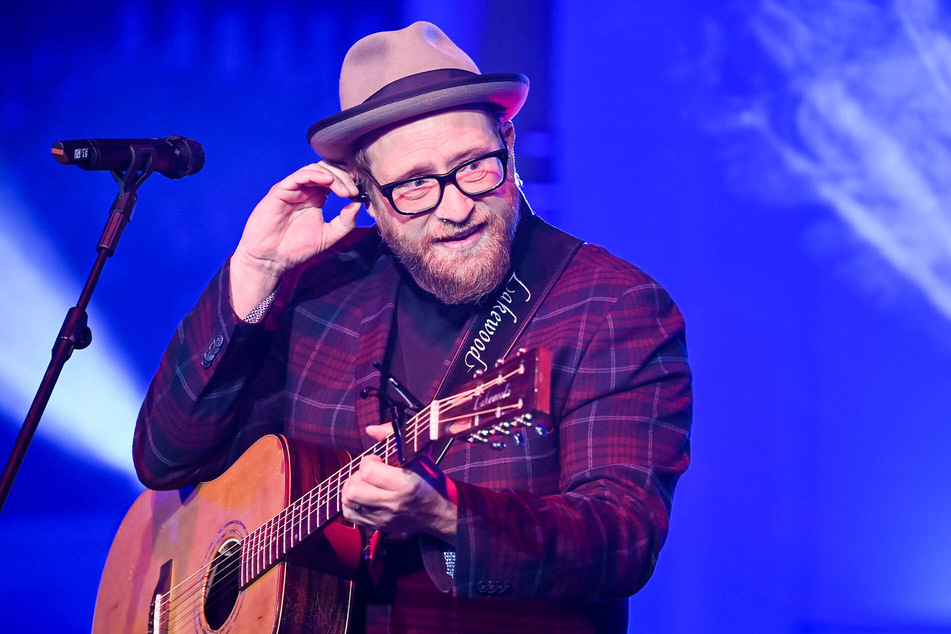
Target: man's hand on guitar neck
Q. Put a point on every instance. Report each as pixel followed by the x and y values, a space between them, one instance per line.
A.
pixel 397 500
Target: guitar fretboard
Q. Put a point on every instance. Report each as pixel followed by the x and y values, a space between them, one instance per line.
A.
pixel 268 544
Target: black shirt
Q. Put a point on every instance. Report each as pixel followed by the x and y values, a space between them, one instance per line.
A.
pixel 424 334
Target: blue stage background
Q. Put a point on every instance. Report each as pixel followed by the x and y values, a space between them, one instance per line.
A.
pixel 781 166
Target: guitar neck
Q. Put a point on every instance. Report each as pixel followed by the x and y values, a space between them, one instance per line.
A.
pixel 499 405
pixel 270 543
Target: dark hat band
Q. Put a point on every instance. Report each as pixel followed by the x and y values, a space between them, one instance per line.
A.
pixel 414 86
pixel 404 86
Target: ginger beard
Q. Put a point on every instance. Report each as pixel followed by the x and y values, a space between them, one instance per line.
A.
pixel 459 277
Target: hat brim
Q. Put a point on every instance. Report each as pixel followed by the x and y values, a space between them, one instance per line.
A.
pixel 333 137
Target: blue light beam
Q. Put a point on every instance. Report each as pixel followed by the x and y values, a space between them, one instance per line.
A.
pixel 93 408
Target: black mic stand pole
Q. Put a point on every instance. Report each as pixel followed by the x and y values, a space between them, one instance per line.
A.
pixel 75 333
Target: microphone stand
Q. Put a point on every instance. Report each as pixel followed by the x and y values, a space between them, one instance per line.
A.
pixel 75 333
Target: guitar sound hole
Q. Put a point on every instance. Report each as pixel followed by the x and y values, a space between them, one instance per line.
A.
pixel 221 590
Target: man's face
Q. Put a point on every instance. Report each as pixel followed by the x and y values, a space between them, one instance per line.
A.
pixel 459 251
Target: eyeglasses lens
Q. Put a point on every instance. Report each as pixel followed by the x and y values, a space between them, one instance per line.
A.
pixel 472 179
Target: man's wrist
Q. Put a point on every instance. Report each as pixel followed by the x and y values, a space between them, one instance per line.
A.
pixel 444 522
pixel 249 286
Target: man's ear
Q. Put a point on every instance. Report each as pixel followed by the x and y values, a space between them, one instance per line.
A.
pixel 507 130
pixel 508 134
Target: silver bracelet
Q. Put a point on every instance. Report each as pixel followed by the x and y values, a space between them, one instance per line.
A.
pixel 450 557
pixel 257 314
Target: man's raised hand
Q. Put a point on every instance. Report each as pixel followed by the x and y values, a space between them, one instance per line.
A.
pixel 287 228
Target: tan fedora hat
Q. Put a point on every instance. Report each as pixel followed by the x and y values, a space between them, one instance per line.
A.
pixel 396 75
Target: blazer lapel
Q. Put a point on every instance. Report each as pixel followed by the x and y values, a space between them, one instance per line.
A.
pixel 378 295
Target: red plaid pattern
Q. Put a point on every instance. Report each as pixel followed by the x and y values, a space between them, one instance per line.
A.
pixel 577 517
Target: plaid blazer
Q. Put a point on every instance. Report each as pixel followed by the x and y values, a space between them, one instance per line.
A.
pixel 568 525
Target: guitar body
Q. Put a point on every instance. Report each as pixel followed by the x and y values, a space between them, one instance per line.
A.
pixel 260 549
pixel 173 563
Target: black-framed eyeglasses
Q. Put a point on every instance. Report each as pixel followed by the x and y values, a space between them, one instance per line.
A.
pixel 424 193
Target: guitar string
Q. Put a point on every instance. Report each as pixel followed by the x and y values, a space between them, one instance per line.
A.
pixel 265 553
pixel 415 426
pixel 281 522
pixel 387 447
pixel 332 492
pixel 191 596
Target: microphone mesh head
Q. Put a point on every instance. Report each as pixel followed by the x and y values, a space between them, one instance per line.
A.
pixel 190 157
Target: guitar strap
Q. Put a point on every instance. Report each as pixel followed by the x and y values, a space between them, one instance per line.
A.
pixel 540 253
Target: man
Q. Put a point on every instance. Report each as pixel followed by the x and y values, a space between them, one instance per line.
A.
pixel 284 340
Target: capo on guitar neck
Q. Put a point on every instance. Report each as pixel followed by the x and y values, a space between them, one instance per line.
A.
pixel 397 410
pixel 403 392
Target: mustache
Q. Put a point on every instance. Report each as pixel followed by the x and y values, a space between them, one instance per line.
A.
pixel 456 232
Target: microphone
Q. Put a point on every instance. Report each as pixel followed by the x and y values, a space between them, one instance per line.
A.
pixel 172 157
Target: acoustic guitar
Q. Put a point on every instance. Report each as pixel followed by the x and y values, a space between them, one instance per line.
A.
pixel 261 548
